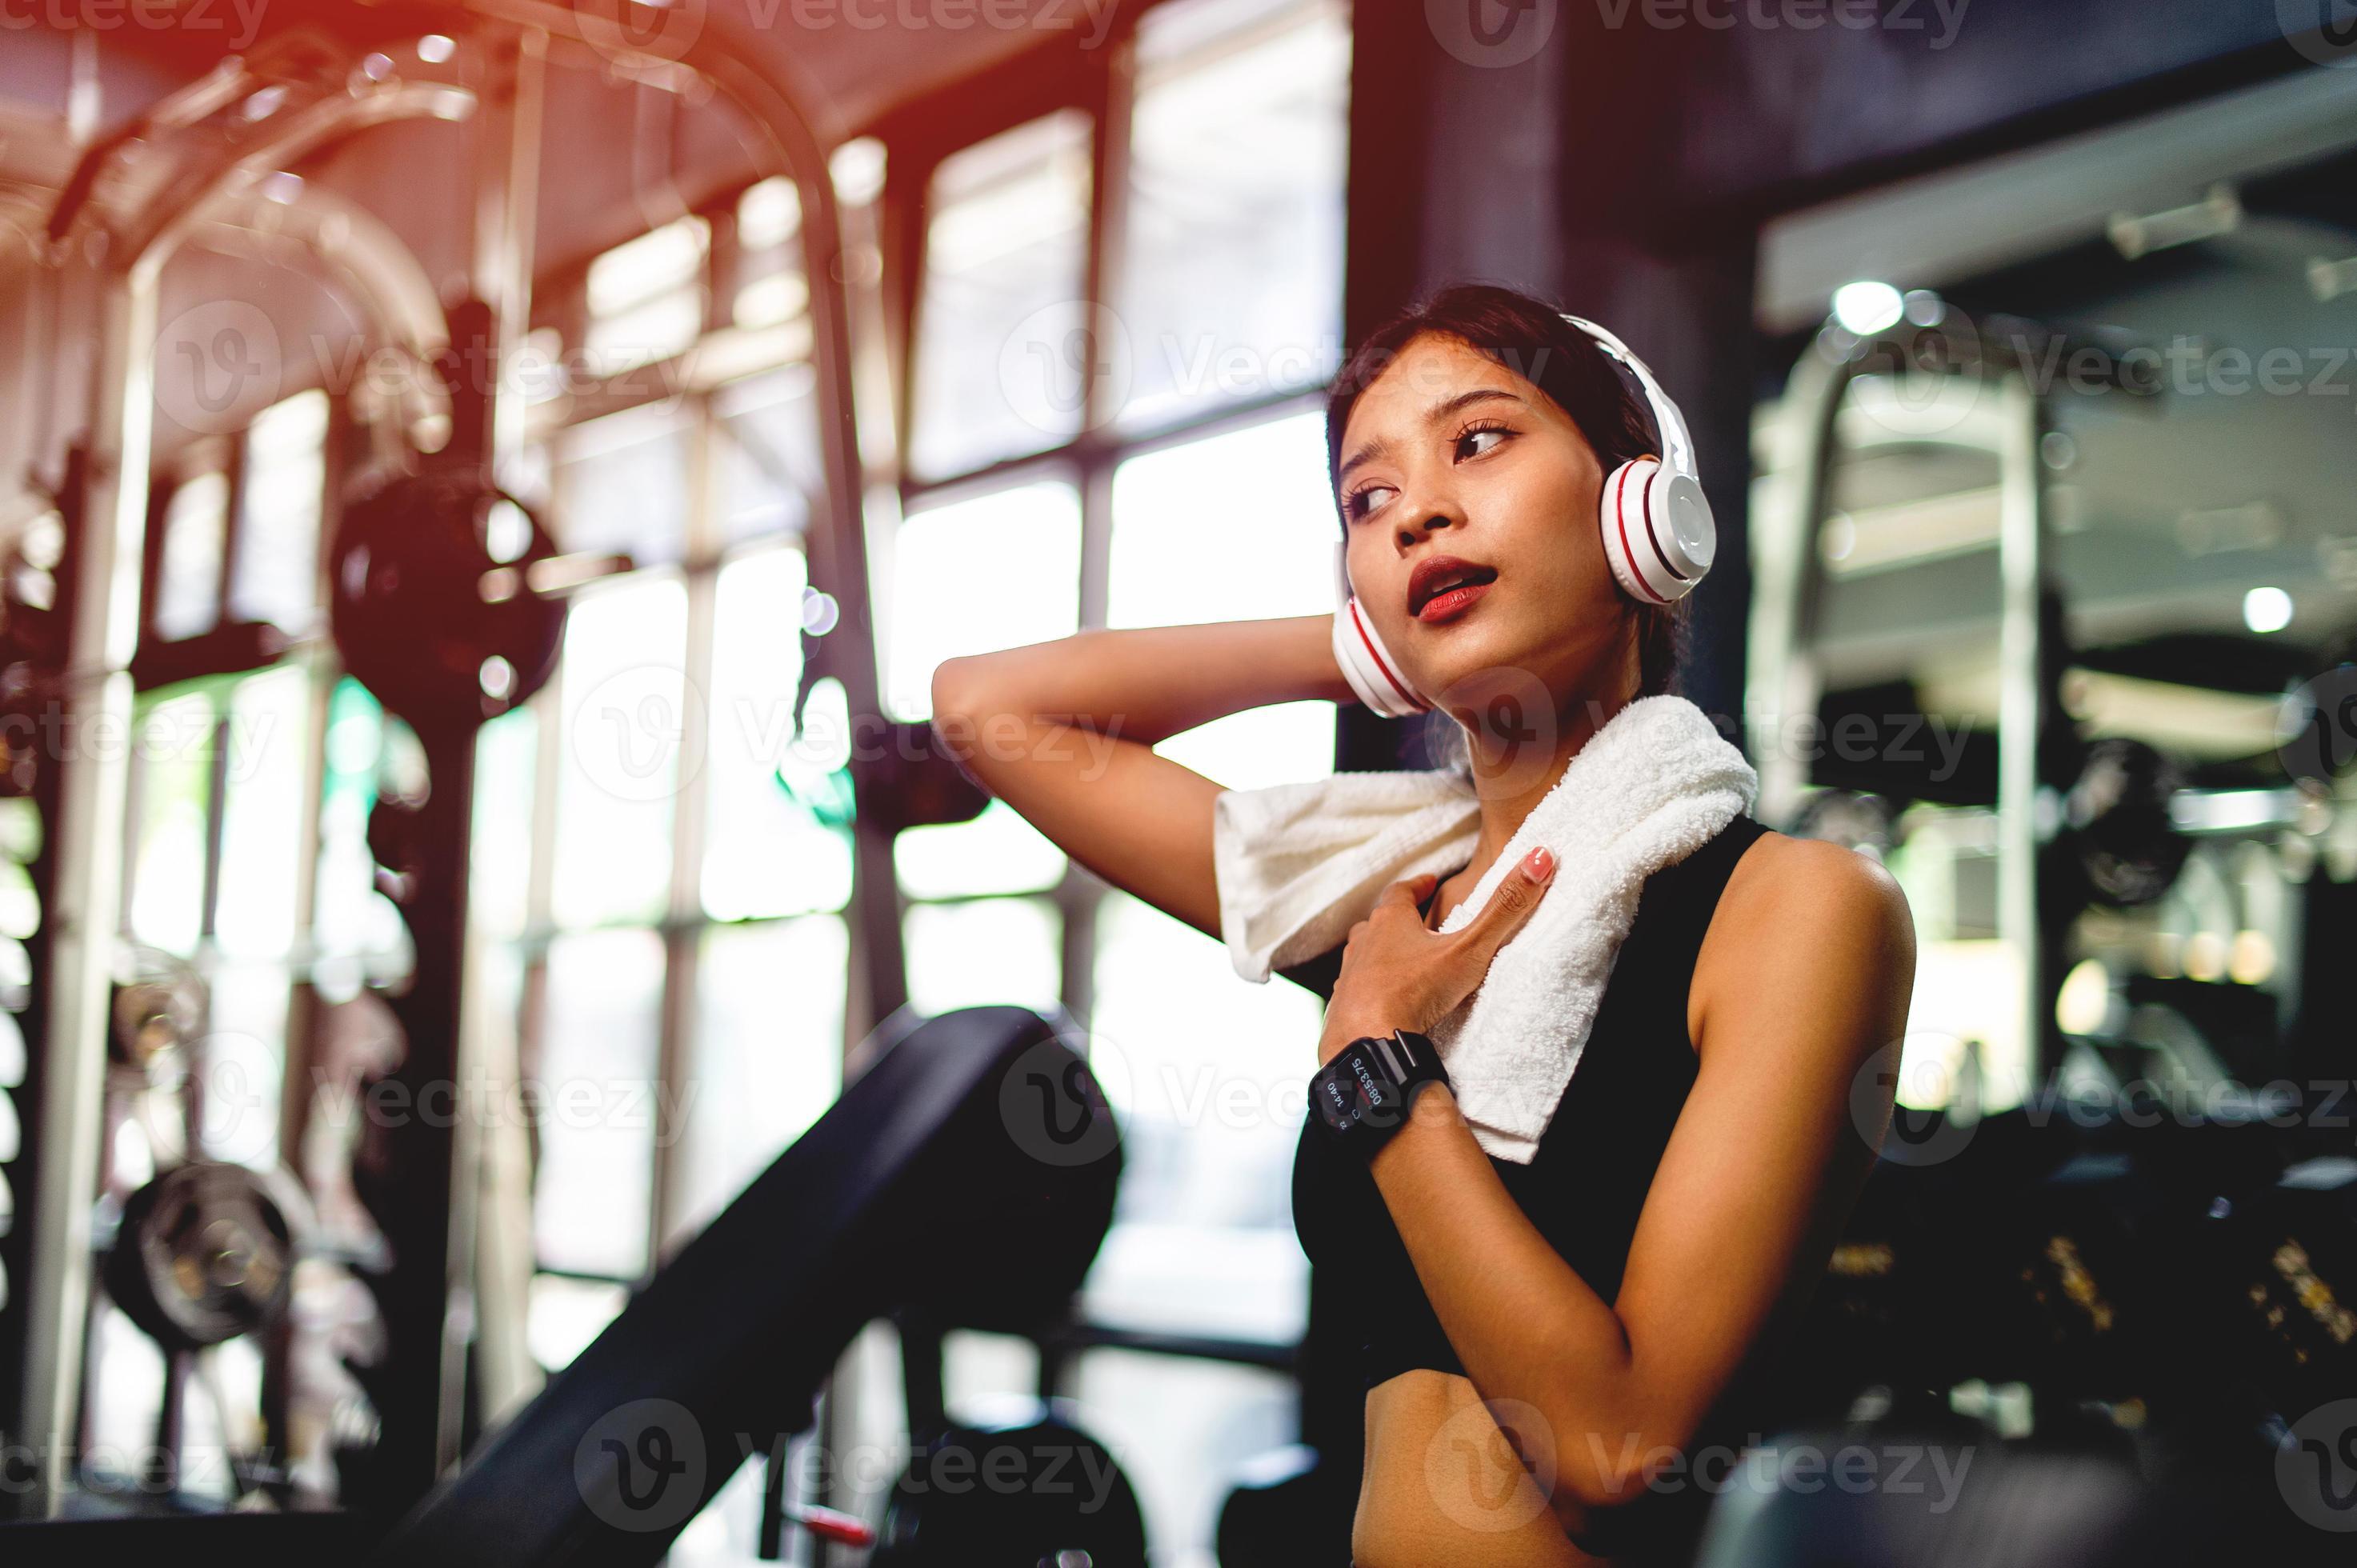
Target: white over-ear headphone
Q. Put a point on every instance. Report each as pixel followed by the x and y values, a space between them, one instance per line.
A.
pixel 1657 530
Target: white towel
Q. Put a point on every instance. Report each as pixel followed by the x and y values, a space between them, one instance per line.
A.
pixel 1298 864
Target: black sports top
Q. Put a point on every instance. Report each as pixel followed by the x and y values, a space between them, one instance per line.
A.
pixel 1596 1161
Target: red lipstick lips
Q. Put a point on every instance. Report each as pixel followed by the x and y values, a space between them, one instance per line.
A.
pixel 1444 587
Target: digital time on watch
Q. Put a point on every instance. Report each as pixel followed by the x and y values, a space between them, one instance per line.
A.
pixel 1364 1096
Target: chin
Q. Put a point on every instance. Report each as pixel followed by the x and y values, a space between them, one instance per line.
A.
pixel 1467 659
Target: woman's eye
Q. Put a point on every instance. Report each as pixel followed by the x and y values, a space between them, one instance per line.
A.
pixel 1366 500
pixel 1477 435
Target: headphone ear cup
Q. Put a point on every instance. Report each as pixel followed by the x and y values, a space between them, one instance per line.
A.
pixel 1374 674
pixel 1658 532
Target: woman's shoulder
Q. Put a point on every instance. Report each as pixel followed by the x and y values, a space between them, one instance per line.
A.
pixel 1800 916
pixel 1781 881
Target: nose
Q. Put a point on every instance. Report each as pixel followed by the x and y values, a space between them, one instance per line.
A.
pixel 1431 513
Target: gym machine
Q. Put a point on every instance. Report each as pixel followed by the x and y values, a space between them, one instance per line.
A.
pixel 967 1176
pixel 2130 1300
pixel 198 155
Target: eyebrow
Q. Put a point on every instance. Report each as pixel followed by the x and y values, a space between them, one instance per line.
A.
pixel 1379 447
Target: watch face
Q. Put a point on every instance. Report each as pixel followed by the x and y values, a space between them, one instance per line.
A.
pixel 1353 1089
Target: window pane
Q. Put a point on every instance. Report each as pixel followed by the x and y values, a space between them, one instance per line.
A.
pixel 1231 283
pixel 507 756
pixel 999 572
pixel 997 851
pixel 275 577
pixel 1208 1073
pixel 1266 484
pixel 988 952
pixel 564 1316
pixel 622 484
pixel 245 1063
pixel 269 717
pixel 594 1095
pixel 767 855
pixel 770 464
pixel 175 790
pixel 625 724
pixel 196 526
pixel 767 1060
pixel 646 297
pixel 1006 251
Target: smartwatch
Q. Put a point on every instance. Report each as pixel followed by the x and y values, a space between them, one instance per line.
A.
pixel 1364 1096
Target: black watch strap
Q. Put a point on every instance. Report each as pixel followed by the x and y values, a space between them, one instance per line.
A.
pixel 1364 1096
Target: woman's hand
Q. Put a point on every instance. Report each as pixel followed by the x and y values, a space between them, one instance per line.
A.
pixel 1399 973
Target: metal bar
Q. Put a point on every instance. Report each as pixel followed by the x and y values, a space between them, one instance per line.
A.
pixel 2020 553
pixel 86 904
pixel 92 820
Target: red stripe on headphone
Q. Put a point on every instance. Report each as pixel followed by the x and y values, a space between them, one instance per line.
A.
pixel 1620 517
pixel 1368 642
pixel 1651 537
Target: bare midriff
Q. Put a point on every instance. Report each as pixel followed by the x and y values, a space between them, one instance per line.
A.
pixel 1445 1484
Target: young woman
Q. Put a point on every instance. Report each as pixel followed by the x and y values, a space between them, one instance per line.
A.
pixel 1549 1344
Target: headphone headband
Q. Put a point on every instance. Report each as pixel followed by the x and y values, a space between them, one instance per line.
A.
pixel 1677 443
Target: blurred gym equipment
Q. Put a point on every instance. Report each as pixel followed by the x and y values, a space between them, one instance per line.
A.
pixel 968 1173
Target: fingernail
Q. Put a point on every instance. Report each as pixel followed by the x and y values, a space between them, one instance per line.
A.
pixel 1540 861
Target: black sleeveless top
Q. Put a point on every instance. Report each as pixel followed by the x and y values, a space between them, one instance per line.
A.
pixel 1596 1161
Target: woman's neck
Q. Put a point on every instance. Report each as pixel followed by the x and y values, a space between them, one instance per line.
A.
pixel 1514 769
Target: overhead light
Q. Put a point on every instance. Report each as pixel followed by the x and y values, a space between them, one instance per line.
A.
pixel 1866 308
pixel 434 49
pixel 2266 609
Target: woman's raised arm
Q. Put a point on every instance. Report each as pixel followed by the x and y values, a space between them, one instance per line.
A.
pixel 1064 733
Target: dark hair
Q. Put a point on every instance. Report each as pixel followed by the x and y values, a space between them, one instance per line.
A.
pixel 1528 337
